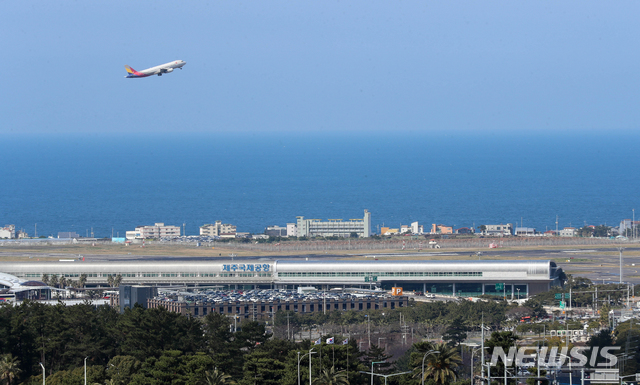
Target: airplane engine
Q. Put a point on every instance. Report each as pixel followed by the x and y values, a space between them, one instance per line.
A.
pixel 169 70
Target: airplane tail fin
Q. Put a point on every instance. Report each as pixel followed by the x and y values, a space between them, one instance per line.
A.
pixel 131 71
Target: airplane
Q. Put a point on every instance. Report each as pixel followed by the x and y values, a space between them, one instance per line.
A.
pixel 157 70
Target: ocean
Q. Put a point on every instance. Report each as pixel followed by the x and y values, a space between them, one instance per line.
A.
pixel 112 183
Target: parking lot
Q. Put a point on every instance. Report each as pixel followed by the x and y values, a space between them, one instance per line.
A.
pixel 263 295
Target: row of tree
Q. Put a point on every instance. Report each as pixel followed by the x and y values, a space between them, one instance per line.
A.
pixel 154 346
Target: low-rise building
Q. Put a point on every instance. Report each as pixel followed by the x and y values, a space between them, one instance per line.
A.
pixel 361 227
pixel 388 231
pixel 158 230
pixel 498 230
pixel 265 309
pixel 525 231
pixel 276 231
pixel 68 235
pixel 218 229
pixel 464 230
pixel 569 232
pixel 8 232
pixel 441 229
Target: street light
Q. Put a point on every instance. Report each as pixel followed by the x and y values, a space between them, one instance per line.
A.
pixel 300 359
pixel 621 377
pixel 517 288
pixel 472 352
pixel 386 375
pixel 425 356
pixel 381 338
pixel 374 362
pixel 43 382
pixel 85 370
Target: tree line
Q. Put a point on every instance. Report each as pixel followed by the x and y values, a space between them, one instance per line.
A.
pixel 155 346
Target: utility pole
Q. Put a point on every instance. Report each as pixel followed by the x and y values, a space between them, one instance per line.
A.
pixel 482 349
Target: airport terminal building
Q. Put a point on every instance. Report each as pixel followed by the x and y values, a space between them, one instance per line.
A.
pixel 512 278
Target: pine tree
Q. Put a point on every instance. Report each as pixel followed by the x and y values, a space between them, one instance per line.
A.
pixel 456 332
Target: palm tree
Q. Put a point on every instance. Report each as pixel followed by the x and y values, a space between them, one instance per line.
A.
pixel 53 282
pixel 45 279
pixel 440 366
pixel 82 280
pixel 9 368
pixel 117 280
pixel 331 377
pixel 216 378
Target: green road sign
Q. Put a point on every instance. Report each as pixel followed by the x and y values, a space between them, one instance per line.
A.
pixel 499 286
pixel 558 295
pixel 562 304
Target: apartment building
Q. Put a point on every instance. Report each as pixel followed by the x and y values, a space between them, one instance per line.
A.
pixel 218 229
pixel 335 227
pixel 158 230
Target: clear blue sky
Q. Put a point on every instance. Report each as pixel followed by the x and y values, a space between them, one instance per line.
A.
pixel 320 66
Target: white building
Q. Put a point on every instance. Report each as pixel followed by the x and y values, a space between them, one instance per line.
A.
pixel 158 230
pixel 468 278
pixel 335 227
pixel 414 228
pixel 292 230
pixel 218 229
pixel 628 224
pixel 569 232
pixel 526 231
pixel 498 230
pixel 8 232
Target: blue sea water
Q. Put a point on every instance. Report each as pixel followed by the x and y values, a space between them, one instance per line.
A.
pixel 78 182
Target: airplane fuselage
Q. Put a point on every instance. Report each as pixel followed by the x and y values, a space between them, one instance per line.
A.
pixel 157 70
